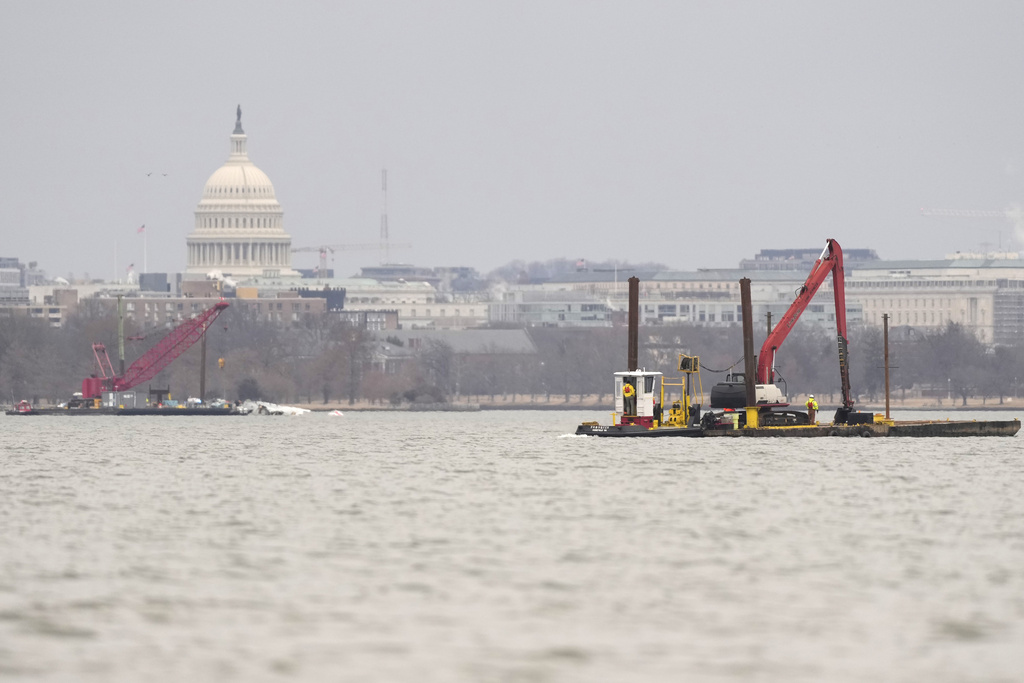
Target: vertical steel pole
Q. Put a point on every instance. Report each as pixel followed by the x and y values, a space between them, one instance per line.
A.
pixel 748 341
pixel 120 335
pixel 885 343
pixel 634 323
pixel 202 369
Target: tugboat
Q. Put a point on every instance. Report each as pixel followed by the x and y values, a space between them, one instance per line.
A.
pixel 640 394
pixel 650 417
pixel 23 408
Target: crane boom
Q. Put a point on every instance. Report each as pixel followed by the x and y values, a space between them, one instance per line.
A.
pixel 830 261
pixel 179 340
pixel 149 364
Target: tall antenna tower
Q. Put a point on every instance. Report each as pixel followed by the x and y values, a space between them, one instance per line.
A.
pixel 384 237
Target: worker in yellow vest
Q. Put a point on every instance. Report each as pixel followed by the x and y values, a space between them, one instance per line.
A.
pixel 629 399
pixel 812 408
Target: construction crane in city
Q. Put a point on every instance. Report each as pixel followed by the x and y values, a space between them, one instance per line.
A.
pixel 325 249
pixel 149 364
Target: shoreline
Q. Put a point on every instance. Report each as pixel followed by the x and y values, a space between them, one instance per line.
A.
pixel 592 403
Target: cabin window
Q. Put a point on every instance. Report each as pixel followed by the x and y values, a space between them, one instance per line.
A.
pixel 649 385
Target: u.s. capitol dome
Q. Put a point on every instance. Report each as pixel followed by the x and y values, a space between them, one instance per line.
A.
pixel 239 228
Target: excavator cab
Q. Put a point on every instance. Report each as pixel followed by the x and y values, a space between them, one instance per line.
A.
pixel 732 393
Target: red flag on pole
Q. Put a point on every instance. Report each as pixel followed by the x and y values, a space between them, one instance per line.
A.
pixel 142 229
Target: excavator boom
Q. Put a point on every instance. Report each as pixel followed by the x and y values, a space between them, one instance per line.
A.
pixel 830 261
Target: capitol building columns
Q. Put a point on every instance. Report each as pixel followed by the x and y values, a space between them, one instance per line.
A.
pixel 220 255
pixel 239 222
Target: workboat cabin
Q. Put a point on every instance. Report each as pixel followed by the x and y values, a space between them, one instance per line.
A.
pixel 637 404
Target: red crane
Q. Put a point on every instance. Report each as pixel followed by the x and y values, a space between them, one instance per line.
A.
pixel 146 367
pixel 830 261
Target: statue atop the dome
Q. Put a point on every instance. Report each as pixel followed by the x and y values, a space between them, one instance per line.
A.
pixel 238 121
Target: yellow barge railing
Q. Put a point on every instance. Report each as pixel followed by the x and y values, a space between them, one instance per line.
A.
pixel 679 413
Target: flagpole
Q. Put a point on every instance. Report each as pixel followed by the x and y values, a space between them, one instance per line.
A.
pixel 117 273
pixel 145 262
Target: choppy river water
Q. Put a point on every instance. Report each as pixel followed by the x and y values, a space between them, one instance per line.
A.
pixel 494 546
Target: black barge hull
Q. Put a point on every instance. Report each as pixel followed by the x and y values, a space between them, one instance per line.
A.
pixel 920 429
pixel 636 431
pixel 163 412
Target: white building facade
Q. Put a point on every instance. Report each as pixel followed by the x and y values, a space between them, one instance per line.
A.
pixel 705 297
pixel 985 295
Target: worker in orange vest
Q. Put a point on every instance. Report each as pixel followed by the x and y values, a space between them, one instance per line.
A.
pixel 629 398
pixel 812 408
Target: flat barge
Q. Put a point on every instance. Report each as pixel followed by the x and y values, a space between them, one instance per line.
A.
pixel 921 428
pixel 163 412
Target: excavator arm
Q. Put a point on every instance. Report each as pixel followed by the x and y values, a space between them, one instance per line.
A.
pixel 830 261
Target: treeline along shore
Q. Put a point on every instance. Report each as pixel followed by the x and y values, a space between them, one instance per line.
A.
pixel 320 363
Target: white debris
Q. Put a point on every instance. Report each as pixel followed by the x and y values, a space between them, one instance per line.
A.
pixel 250 407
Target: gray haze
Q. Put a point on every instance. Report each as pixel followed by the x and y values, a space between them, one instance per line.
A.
pixel 689 133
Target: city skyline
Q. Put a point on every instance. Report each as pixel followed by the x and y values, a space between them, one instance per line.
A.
pixel 689 135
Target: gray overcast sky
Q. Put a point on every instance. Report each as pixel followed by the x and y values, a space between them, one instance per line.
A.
pixel 691 133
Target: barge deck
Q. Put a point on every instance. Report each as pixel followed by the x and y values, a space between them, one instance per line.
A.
pixel 921 428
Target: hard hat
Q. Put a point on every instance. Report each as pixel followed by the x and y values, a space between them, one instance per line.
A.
pixel 811 396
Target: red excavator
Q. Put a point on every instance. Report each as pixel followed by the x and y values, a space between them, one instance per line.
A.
pixel 149 364
pixel 726 394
